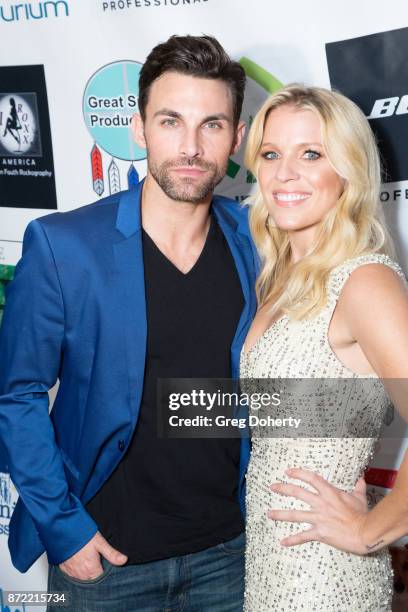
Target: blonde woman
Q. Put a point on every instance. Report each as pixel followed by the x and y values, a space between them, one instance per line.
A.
pixel 332 303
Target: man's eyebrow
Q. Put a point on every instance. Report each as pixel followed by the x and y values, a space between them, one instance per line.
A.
pixel 168 113
pixel 217 117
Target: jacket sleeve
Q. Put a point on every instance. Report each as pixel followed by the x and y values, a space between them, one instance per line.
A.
pixel 31 345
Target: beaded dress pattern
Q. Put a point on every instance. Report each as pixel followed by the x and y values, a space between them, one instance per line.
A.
pixel 311 576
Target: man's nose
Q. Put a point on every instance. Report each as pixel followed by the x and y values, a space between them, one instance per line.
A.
pixel 190 144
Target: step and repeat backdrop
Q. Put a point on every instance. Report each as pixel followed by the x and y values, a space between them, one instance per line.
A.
pixel 69 74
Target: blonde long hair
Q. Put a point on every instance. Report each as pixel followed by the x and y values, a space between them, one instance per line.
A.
pixel 353 227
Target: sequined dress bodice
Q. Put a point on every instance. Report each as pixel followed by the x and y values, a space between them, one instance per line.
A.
pixel 311 576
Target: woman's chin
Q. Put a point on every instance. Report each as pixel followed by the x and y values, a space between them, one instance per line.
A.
pixel 289 225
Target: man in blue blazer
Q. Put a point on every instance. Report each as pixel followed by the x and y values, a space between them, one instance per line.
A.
pixel 150 283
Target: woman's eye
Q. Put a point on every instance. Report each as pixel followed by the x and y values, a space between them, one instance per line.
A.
pixel 309 154
pixel 270 155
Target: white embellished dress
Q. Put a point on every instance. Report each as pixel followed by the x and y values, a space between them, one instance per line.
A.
pixel 311 576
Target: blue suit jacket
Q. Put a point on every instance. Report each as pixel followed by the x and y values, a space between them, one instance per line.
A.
pixel 76 312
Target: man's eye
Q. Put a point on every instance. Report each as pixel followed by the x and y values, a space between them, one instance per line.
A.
pixel 213 125
pixel 310 154
pixel 270 155
pixel 170 122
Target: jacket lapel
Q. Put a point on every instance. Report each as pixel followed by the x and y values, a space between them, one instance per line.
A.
pixel 236 235
pixel 128 254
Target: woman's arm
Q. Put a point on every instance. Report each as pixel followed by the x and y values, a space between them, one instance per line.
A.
pixel 375 304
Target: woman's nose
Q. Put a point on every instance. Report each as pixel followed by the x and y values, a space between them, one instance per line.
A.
pixel 286 169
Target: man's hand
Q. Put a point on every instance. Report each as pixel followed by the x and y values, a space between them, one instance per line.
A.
pixel 86 563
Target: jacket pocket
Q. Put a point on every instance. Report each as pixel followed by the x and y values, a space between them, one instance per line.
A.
pixel 106 566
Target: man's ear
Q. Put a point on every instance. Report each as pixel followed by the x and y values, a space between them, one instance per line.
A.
pixel 136 126
pixel 238 137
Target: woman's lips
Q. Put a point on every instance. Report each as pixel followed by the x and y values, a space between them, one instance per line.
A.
pixel 289 199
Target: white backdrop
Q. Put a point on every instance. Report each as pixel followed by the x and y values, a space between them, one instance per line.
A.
pixel 75 39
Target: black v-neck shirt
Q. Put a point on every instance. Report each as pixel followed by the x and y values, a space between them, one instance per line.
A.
pixel 169 497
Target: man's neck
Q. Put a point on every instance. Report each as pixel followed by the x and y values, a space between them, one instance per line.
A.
pixel 170 221
pixel 179 229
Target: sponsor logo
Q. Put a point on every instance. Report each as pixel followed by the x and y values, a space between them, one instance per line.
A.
pixel 239 183
pixel 27 11
pixel 8 500
pixel 394 195
pixel 111 98
pixel 372 70
pixel 26 157
pixel 387 107
pixel 6 275
pixel 122 5
pixel 19 125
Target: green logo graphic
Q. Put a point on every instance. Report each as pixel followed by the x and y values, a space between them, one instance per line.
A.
pixel 6 275
pixel 270 84
pixel 261 76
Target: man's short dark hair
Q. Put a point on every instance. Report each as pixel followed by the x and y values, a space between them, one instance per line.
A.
pixel 198 56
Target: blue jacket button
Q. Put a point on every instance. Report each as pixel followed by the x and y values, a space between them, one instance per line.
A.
pixel 121 445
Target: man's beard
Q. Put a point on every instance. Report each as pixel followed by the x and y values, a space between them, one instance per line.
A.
pixel 187 189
